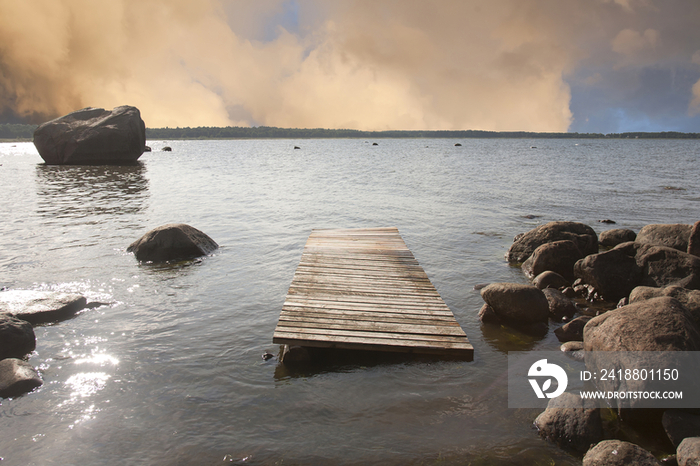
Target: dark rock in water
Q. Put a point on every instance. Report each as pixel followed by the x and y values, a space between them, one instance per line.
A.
pixel 582 235
pixel 618 453
pixel 688 452
pixel 657 324
pixel 16 337
pixel 680 424
pixel 516 303
pixel 17 377
pixel 488 316
pixel 458 145
pixel 611 238
pixel 375 144
pixel 92 136
pixel 608 221
pixel 694 240
pixel 297 147
pixel 549 279
pixel 479 286
pixel 573 429
pixel 572 331
pixel 147 149
pixel 167 149
pixel 530 216
pixel 561 308
pixel 674 236
pixel 557 256
pixel 175 241
pixel 267 356
pixel 612 273
pixel 690 299
pixel 40 307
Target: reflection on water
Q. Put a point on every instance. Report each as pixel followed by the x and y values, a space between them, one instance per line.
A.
pixel 79 191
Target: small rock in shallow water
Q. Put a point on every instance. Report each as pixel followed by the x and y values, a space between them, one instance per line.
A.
pixel 17 377
pixel 267 356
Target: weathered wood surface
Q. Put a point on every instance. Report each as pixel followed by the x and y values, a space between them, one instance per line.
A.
pixel 363 289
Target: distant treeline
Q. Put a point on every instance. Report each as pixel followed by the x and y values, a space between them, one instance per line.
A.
pixel 19 132
pixel 263 132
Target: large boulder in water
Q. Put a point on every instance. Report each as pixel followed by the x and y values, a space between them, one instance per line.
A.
pixel 612 273
pixel 657 324
pixel 674 235
pixel 574 429
pixel 663 266
pixel 175 241
pixel 16 337
pixel 690 299
pixel 17 377
pixel 557 256
pixel 582 235
pixel 93 136
pixel 40 307
pixel 515 303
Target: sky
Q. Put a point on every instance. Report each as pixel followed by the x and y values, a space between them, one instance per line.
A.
pixel 600 66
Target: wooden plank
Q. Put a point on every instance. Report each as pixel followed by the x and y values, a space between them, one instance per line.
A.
pixel 364 289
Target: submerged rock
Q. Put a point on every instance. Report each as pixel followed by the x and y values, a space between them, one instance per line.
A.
pixel 92 136
pixel 17 377
pixel 175 241
pixel 40 307
pixel 16 337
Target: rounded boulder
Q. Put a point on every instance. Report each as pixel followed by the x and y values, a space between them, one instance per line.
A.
pixel 516 303
pixel 171 242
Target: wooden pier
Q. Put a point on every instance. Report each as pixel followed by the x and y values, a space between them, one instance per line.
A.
pixel 363 289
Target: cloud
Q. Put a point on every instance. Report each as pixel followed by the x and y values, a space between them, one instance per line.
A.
pixel 389 64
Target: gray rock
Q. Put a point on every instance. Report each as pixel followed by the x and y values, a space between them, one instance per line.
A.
pixel 618 453
pixel 571 346
pixel 175 241
pixel 557 256
pixel 612 273
pixel 40 307
pixel 572 331
pixel 16 337
pixel 690 299
pixel 17 377
pixel 93 136
pixel 561 308
pixel 662 266
pixel 680 424
pixel 582 235
pixel 688 452
pixel 574 429
pixel 657 324
pixel 549 279
pixel 611 238
pixel 669 235
pixel 694 240
pixel 515 303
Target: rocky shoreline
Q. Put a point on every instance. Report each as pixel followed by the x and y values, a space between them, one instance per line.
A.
pixel 618 292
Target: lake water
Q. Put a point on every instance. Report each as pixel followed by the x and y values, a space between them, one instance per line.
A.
pixel 170 370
